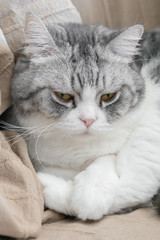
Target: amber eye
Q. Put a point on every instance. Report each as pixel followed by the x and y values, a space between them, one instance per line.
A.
pixel 108 96
pixel 63 96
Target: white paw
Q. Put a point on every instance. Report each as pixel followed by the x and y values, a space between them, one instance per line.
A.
pixel 89 201
pixel 56 192
pixel 45 179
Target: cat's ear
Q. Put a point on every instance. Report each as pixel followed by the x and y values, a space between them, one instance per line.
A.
pixel 38 41
pixel 126 44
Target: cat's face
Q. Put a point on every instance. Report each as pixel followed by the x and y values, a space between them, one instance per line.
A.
pixel 83 77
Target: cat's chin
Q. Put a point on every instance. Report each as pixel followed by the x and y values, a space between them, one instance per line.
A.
pixel 87 133
pixel 82 134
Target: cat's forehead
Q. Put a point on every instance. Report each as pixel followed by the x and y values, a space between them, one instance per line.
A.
pixel 82 34
pixel 86 61
pixel 81 40
pixel 108 78
pixel 88 65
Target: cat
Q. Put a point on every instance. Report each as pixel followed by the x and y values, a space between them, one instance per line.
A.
pixel 87 99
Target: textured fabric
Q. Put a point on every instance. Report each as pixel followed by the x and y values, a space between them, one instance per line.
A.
pixel 142 224
pixel 6 67
pixel 21 199
pixel 12 14
pixel 120 13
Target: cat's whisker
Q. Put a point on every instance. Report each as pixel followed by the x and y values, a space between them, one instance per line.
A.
pixel 36 145
pixel 24 134
pixel 37 157
pixel 11 126
pixel 12 138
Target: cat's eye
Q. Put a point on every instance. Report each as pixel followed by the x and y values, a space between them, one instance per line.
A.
pixel 108 97
pixel 63 96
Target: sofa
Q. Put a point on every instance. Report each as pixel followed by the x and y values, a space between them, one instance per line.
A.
pixel 22 212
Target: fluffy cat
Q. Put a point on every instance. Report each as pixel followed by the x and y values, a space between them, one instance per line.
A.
pixel 90 115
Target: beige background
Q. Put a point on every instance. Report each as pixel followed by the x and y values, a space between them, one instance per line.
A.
pixel 120 13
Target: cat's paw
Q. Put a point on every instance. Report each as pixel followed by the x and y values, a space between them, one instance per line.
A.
pixel 90 201
pixel 89 204
pixel 56 192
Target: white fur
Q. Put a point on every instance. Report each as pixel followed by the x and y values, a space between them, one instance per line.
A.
pixel 101 170
pixel 87 174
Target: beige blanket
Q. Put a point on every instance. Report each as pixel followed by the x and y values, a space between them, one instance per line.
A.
pixel 21 200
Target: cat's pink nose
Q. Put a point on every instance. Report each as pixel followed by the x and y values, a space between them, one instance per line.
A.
pixel 87 122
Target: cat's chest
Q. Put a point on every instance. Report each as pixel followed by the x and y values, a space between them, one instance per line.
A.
pixel 70 153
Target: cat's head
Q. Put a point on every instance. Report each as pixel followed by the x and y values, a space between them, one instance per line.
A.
pixel 83 77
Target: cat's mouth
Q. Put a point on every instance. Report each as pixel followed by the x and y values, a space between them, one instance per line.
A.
pixel 84 133
pixel 87 133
